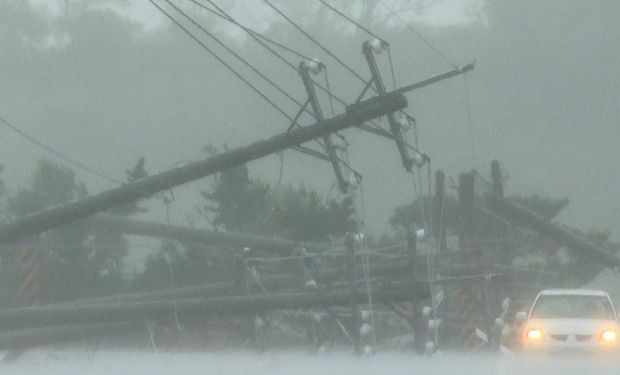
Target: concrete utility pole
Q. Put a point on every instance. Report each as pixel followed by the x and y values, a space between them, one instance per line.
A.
pixel 202 236
pixel 521 216
pixel 58 216
pixel 195 308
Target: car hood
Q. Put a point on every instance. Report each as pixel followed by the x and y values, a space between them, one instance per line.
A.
pixel 572 326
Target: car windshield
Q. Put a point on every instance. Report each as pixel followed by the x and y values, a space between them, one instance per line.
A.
pixel 572 307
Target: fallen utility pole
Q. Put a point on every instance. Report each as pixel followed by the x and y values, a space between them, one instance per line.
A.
pixel 202 236
pixel 197 308
pixel 24 339
pixel 61 215
pixel 522 216
pixel 389 271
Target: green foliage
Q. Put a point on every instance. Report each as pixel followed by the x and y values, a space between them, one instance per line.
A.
pixel 300 214
pixel 238 203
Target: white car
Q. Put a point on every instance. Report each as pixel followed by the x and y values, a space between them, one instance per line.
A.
pixel 571 320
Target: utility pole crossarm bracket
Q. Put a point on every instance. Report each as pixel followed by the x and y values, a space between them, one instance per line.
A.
pixel 435 79
pixel 369 52
pixel 304 72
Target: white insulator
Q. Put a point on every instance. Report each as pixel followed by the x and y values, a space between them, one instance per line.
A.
pixel 311 284
pixel 366 315
pixel 427 311
pixel 317 317
pixel 404 123
pixel 259 322
pixel 418 160
pixel 315 66
pixel 368 350
pixel 365 329
pixel 420 234
pixel 353 183
pixel 499 323
pixel 360 237
pixel 429 347
pixel 506 304
pixel 340 144
pixel 433 324
pixel 377 46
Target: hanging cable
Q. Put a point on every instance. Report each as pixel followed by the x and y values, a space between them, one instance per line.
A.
pixel 394 83
pixel 360 26
pixel 228 66
pixel 235 54
pixel 418 35
pixel 331 97
pixel 229 18
pixel 253 33
pixel 366 268
pixel 311 38
pixel 59 154
pixel 169 243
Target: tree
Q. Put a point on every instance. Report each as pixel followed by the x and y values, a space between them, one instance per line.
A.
pixel 66 268
pixel 113 244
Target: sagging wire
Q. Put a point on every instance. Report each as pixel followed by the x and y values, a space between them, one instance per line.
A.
pixel 470 124
pixel 392 70
pixel 366 268
pixel 418 35
pixel 327 85
pixel 167 201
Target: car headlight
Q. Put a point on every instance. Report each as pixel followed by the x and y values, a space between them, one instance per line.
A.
pixel 609 337
pixel 534 335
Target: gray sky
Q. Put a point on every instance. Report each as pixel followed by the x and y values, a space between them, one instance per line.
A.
pixel 547 107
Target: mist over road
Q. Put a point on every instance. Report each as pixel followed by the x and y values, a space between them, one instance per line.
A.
pixel 287 363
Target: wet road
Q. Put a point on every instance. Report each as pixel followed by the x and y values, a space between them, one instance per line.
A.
pixel 281 363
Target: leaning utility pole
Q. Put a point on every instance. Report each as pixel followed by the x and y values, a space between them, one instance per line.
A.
pixel 58 216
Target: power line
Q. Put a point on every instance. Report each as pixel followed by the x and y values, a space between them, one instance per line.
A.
pixel 237 74
pixel 360 26
pixel 224 15
pixel 59 154
pixel 256 35
pixel 417 34
pixel 311 38
pixel 235 54
pixel 212 53
pixel 253 33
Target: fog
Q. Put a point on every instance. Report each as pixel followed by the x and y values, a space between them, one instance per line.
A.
pixel 544 97
pixel 115 92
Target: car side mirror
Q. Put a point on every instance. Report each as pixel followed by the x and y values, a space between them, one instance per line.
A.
pixel 521 316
